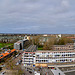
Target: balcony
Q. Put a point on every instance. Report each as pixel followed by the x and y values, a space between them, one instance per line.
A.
pixel 27 62
pixel 27 57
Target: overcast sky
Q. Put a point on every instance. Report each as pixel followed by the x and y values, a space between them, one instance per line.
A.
pixel 37 16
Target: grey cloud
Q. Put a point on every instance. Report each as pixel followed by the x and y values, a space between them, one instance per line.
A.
pixel 65 3
pixel 36 15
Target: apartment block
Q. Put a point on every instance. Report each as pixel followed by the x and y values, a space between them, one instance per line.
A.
pixel 21 44
pixel 17 45
pixel 55 56
pixel 68 46
pixel 6 54
pixel 43 58
pixel 28 58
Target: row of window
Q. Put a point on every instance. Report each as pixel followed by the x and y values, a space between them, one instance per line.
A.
pixel 57 55
pixel 46 61
pixel 54 52
pixel 44 58
pixel 28 60
pixel 29 53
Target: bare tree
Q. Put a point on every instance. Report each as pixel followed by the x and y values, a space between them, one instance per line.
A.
pixel 49 44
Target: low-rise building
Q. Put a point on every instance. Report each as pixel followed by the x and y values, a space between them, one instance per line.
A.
pixel 68 46
pixel 6 54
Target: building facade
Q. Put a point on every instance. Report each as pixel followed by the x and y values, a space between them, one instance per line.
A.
pixel 6 55
pixel 21 44
pixel 43 58
pixel 28 58
pixel 68 46
pixel 17 45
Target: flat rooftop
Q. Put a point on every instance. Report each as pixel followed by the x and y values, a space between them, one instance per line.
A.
pixel 70 73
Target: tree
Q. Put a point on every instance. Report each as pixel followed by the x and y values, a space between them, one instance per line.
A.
pixel 35 40
pixel 49 44
pixel 63 41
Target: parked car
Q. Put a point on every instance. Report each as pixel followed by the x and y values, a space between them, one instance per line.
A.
pixel 3 65
pixel 17 63
pixel 30 72
pixel 3 73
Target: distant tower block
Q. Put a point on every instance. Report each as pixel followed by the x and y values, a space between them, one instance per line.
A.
pixel 25 37
pixel 74 44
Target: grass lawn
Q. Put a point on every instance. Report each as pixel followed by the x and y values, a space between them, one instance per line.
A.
pixel 5 44
pixel 40 48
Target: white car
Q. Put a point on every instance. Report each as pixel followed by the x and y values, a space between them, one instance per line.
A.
pixel 3 65
pixel 17 63
pixel 3 73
